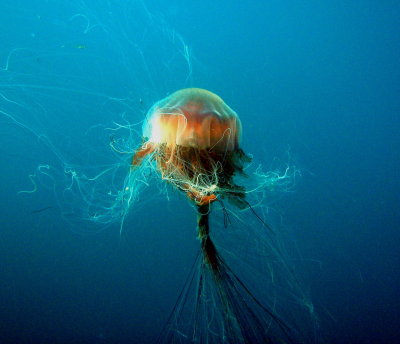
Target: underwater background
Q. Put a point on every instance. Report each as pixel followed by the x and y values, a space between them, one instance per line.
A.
pixel 314 83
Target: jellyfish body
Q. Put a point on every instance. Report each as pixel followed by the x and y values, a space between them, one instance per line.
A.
pixel 194 138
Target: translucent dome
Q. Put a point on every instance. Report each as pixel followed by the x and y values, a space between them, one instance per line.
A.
pixel 193 117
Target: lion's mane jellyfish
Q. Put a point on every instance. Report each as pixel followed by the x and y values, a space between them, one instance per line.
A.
pixel 194 139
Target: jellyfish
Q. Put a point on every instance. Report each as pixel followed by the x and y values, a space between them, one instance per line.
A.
pixel 194 138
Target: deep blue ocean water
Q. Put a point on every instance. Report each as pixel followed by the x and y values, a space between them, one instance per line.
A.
pixel 314 83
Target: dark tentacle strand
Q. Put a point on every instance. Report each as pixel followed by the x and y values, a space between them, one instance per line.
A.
pixel 225 311
pixel 244 318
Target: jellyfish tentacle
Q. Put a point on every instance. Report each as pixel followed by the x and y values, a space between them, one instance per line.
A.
pixel 141 153
pixel 243 323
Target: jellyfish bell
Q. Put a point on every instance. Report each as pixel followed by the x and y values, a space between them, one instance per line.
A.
pixel 195 118
pixel 194 137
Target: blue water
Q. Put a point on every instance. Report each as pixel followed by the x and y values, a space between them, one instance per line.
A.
pixel 318 82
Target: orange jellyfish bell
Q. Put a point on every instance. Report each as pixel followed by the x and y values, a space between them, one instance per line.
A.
pixel 196 118
pixel 194 138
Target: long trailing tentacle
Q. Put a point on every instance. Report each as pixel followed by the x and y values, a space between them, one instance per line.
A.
pixel 244 318
pixel 225 310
